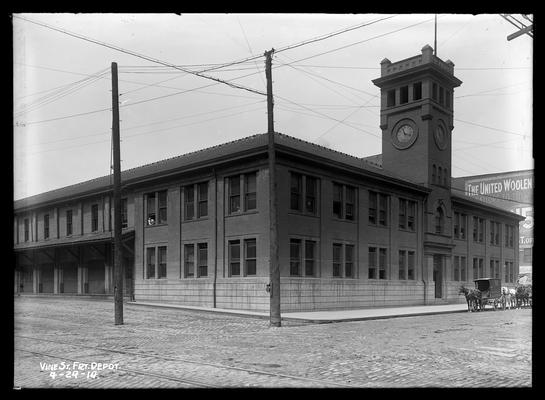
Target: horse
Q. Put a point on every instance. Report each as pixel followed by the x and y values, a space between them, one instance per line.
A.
pixel 473 298
pixel 507 297
pixel 523 295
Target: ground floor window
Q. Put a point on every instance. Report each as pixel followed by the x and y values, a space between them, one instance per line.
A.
pixel 495 268
pixel 478 268
pixel 406 264
pixel 302 257
pixel 245 265
pixel 343 260
pixel 459 268
pixel 377 263
pixel 156 256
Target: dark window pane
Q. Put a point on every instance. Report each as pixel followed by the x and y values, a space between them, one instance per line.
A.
pixel 162 271
pixel 295 191
pixel 250 192
pixel 417 91
pixel 251 254
pixel 295 257
pixel 234 194
pixel 203 259
pixel 234 257
pixel 150 271
pixel 311 188
pixel 189 202
pixel 337 200
pixel 189 260
pixel 150 207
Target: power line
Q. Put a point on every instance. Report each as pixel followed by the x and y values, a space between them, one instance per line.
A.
pixel 491 128
pixel 137 55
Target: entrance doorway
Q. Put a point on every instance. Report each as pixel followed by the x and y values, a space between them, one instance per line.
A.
pixel 438 275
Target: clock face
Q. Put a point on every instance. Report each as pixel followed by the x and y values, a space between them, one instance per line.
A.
pixel 441 137
pixel 405 133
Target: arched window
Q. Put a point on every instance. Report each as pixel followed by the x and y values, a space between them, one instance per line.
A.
pixel 433 173
pixel 439 220
pixel 440 176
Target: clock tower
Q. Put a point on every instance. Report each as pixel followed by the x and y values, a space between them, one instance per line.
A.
pixel 416 118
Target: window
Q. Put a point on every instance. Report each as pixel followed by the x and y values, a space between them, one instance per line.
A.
pixel 310 257
pixel 202 259
pixel 378 208
pixel 459 225
pixel 248 182
pixel 150 263
pixel 26 228
pixel 439 220
pixel 509 236
pixel 372 259
pixel 495 268
pixel 296 191
pixel 477 268
pixel 407 211
pixel 234 257
pixel 439 175
pixel 344 201
pixel 478 229
pixel 46 226
pixel 401 264
pixel 189 260
pixel 162 270
pixel 403 94
pixel 447 98
pixel 234 194
pixel 311 187
pixel 410 265
pixel 434 91
pixel 94 217
pixel 303 187
pixel 295 257
pixel 417 91
pixel 463 268
pixel 250 192
pixel 189 202
pixel 495 233
pixel 456 268
pixel 481 268
pixel 156 205
pixel 509 272
pixel 391 98
pixel 337 200
pixel 68 222
pixel 198 207
pixel 441 96
pixel 445 177
pixel 377 268
pixel 337 254
pixel 250 256
pixel 349 261
pixel 124 214
pixel 433 174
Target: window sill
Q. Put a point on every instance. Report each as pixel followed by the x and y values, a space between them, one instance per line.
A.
pixel 239 213
pixel 195 219
pixel 407 230
pixel 378 226
pixel 156 225
pixel 303 213
pixel 350 221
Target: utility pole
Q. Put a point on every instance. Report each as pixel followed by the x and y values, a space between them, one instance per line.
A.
pixel 118 256
pixel 274 270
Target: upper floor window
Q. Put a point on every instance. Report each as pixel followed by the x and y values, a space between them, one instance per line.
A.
pixel 433 173
pixel 509 272
pixel 459 225
pixel 94 217
pixel 26 224
pixel 46 226
pixel 303 187
pixel 407 212
pixel 441 96
pixel 68 222
pixel 495 233
pixel 434 91
pixel 124 214
pixel 243 187
pixel 509 236
pixel 417 91
pixel 447 99
pixel 439 220
pixel 196 200
pixel 403 94
pixel 478 229
pixel 156 208
pixel 378 208
pixel 391 98
pixel 344 201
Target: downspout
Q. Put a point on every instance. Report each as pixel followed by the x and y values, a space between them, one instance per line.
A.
pixel 215 235
pixel 423 256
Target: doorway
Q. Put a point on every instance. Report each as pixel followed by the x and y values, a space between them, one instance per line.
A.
pixel 438 275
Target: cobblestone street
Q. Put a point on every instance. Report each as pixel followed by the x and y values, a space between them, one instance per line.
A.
pixel 169 348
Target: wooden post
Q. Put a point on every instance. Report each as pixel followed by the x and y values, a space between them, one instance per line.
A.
pixel 274 271
pixel 118 256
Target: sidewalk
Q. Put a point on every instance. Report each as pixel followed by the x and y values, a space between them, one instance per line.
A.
pixel 329 316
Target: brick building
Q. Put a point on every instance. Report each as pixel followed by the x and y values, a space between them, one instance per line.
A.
pixel 379 231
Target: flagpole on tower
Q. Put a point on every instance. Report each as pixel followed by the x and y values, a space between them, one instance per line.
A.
pixel 435 38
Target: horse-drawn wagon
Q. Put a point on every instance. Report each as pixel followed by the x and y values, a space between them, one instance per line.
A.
pixel 491 293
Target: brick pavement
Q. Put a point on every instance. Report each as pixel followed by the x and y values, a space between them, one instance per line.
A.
pixel 177 348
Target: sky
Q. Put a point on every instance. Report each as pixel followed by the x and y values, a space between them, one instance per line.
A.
pixel 323 66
